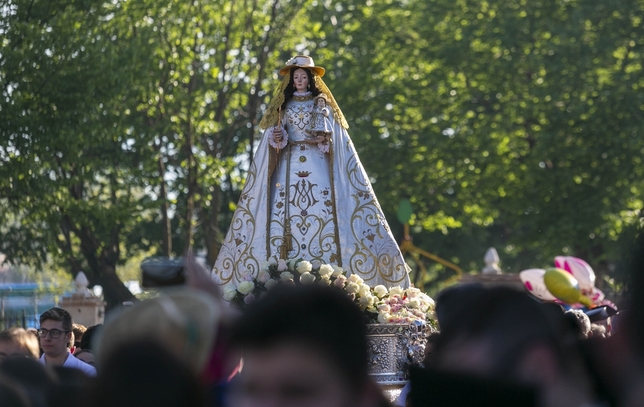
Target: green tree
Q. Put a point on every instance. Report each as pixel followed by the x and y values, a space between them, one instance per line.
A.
pixel 516 124
pixel 122 120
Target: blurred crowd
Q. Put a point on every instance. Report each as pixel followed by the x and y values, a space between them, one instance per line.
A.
pixel 306 346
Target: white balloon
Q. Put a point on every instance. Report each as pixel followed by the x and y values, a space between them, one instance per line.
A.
pixel 533 282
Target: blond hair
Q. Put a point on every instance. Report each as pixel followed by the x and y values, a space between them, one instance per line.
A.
pixel 184 320
pixel 24 339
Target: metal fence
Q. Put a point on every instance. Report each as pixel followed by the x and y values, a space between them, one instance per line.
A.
pixel 21 318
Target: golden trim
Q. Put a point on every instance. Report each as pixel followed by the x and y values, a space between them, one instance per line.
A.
pixel 287 244
pixel 302 98
pixel 333 204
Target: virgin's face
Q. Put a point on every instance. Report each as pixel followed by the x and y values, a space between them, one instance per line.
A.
pixel 300 80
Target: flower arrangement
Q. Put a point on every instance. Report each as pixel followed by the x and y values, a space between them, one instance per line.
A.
pixel 382 305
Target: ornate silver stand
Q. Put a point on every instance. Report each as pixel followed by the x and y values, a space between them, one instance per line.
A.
pixel 392 349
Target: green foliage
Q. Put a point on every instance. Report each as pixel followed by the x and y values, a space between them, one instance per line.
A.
pixel 511 124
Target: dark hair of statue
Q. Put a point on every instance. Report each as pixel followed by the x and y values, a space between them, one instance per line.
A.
pixel 290 88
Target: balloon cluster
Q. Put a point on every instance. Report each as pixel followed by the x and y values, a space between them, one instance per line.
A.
pixel 571 281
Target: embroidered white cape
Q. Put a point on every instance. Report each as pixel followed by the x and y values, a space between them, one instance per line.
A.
pixel 331 212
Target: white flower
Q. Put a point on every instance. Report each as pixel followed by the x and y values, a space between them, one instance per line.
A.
pixel 281 265
pixel 230 293
pixel 307 278
pixel 337 270
pixel 412 292
pixel 383 318
pixel 285 276
pixel 304 267
pixel 316 264
pixel 380 290
pixel 339 281
pixel 413 303
pixel 396 291
pixel 428 300
pixel 292 263
pixel 270 284
pixel 354 278
pixel 384 308
pixel 266 265
pixel 263 276
pixel 246 287
pixel 246 276
pixel 352 288
pixel 366 301
pixel 272 261
pixel 324 281
pixel 326 270
pixel 364 291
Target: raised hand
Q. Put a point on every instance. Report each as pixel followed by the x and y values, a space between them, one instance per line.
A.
pixel 277 134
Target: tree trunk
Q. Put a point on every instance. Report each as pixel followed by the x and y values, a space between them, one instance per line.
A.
pixel 210 226
pixel 114 291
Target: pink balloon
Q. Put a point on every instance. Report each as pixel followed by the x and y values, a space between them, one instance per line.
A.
pixel 582 272
pixel 533 281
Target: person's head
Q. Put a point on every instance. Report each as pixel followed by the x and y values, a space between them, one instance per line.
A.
pixel 184 320
pixel 55 331
pixel 88 336
pixel 78 331
pixel 11 394
pixel 505 335
pixel 302 346
pixel 454 300
pixel 320 100
pixel 18 342
pixel 301 80
pixel 144 373
pixel 86 356
pixel 30 375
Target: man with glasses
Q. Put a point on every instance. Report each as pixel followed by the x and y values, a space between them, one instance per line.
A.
pixel 55 335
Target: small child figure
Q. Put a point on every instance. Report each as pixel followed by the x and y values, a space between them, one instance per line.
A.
pixel 320 126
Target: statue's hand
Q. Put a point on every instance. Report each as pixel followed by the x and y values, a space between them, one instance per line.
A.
pixel 277 134
pixel 320 139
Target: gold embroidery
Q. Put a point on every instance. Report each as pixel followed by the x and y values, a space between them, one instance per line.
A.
pixel 302 98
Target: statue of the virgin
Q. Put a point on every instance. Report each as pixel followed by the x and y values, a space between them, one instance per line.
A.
pixel 307 195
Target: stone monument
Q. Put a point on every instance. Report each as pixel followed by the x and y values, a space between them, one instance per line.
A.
pixel 84 307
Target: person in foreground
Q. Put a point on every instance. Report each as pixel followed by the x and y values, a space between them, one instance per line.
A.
pixel 504 348
pixel 55 334
pixel 303 346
